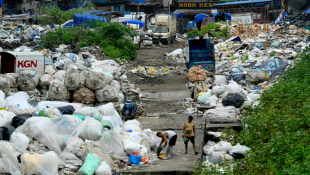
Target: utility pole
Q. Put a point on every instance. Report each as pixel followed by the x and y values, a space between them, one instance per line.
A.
pixel 137 14
pixel 169 6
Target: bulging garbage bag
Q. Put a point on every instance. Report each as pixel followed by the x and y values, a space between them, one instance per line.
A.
pixel 89 111
pixel 75 80
pixel 107 94
pixel 55 104
pixel 12 77
pixel 2 100
pixel 211 101
pixel 46 163
pixel 85 96
pixel 93 129
pixel 275 44
pixel 52 132
pixel 6 132
pixel 133 125
pixel 204 97
pixel 66 109
pixel 103 169
pixel 20 111
pixel 4 84
pixel 221 114
pixel 18 99
pixel 20 120
pixel 60 75
pixel 28 80
pixel 57 91
pixel 91 164
pixel 96 80
pixel 6 118
pixel 20 140
pixel 240 149
pixel 112 144
pixel 110 114
pixel 45 80
pixel 233 99
pixel 52 112
pixel 10 154
pixel 257 77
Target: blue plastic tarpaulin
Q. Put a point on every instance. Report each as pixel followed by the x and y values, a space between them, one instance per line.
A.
pixel 99 12
pixel 177 15
pixel 1 1
pixel 191 25
pixel 308 11
pixel 140 1
pixel 79 19
pixel 200 17
pixel 227 16
pixel 141 23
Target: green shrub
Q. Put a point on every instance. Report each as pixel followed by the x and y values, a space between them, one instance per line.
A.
pixel 57 16
pixel 113 38
pixel 211 27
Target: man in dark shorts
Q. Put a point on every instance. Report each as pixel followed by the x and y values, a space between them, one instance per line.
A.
pixel 167 135
pixel 189 133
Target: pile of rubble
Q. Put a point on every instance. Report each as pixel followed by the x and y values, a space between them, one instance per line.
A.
pixel 297 19
pixel 246 65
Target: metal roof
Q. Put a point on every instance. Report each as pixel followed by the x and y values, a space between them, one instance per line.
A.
pixel 193 11
pixel 241 2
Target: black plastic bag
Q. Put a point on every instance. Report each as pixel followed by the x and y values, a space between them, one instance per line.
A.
pixel 69 110
pixel 6 132
pixel 233 99
pixel 20 120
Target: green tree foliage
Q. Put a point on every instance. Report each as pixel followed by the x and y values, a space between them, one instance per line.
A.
pixel 213 29
pixel 57 16
pixel 114 39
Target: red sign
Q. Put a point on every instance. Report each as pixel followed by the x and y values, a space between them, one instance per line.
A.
pixel 27 63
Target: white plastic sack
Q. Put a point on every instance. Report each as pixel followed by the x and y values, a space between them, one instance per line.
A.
pixel 60 75
pixel 52 112
pixel 212 101
pixel 46 163
pixel 112 143
pixel 217 90
pixel 28 80
pixel 75 80
pixel 6 118
pixel 51 70
pixel 45 80
pixel 109 113
pixel 20 111
pixel 20 140
pixel 58 91
pixel 2 100
pixel 18 99
pixel 9 153
pixel 150 137
pixel 223 146
pixel 52 132
pixel 131 146
pixel 12 78
pixel 133 125
pixel 93 129
pixel 4 83
pixel 221 114
pixel 96 80
pixel 254 97
pixel 104 169
pixel 220 80
pixel 107 94
pixel 239 149
pixel 107 109
pixel 55 104
pixel 89 112
pixel 233 87
pixel 135 137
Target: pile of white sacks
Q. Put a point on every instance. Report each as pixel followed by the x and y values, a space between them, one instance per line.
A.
pixel 42 139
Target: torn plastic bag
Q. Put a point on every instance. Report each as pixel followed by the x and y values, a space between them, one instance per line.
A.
pixel 93 129
pixel 6 118
pixel 55 104
pixel 52 112
pixel 9 153
pixel 52 132
pixel 239 149
pixel 6 132
pixel 90 165
pixel 20 120
pixel 46 163
pixel 112 144
pixel 20 140
pixel 104 169
pixel 66 109
pixel 88 111
pixel 18 99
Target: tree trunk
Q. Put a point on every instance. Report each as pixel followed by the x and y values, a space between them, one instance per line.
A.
pixel 285 3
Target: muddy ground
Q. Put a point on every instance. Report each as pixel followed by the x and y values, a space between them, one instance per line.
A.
pixel 161 95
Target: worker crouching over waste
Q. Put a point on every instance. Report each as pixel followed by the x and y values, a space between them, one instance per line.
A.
pixel 167 135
